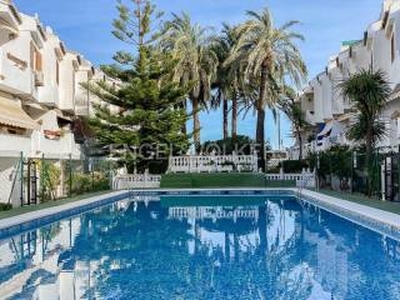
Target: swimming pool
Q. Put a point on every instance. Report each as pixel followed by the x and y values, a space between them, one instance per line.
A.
pixel 201 247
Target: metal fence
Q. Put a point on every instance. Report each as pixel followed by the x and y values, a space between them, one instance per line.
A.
pixel 38 180
pixel 351 171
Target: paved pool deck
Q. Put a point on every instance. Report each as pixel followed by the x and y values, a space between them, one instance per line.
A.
pixel 364 215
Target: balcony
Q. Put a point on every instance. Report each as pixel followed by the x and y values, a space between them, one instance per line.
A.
pixel 81 105
pixel 48 95
pixel 59 148
pixel 15 75
pixel 310 117
pixel 9 18
pixel 11 145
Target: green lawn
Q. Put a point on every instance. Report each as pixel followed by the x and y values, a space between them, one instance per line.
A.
pixel 361 199
pixel 220 180
pixel 26 209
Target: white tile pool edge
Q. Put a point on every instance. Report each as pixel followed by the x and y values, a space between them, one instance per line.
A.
pixel 377 215
pixel 347 210
pixel 38 214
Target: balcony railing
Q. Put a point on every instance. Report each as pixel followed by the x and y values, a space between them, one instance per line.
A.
pixel 15 76
pixel 11 145
pixel 213 163
pixel 61 148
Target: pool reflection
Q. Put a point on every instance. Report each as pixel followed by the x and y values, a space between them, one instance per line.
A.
pixel 201 248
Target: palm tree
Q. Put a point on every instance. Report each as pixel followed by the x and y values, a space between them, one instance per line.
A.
pixel 229 78
pixel 368 91
pixel 190 46
pixel 271 56
pixel 293 112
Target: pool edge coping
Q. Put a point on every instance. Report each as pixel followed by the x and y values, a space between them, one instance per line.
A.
pixel 341 207
pixel 49 211
pixel 381 221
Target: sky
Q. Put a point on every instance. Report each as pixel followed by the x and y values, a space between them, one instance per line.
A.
pixel 85 26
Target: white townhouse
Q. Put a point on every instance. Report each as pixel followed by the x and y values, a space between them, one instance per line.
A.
pixel 40 94
pixel 329 113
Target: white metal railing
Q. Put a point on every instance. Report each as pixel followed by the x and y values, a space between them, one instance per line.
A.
pixel 304 179
pixel 212 163
pixel 136 181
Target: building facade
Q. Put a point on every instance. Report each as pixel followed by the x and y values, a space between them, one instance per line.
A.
pixel 328 112
pixel 40 95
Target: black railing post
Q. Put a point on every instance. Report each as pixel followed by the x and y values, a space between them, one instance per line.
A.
pixel 22 177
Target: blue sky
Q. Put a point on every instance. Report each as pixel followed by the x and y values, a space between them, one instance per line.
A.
pixel 85 26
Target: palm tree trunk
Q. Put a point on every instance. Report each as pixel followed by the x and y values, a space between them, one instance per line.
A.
pixel 260 135
pixel 184 107
pixel 225 117
pixel 227 247
pixel 368 155
pixel 300 144
pixel 234 117
pixel 262 231
pixel 196 125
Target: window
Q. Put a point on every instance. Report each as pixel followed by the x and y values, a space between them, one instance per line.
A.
pixel 32 62
pixel 58 72
pixel 392 48
pixel 36 59
pixel 372 61
pixel 398 126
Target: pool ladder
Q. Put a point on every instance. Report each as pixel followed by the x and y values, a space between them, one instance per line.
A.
pixel 302 185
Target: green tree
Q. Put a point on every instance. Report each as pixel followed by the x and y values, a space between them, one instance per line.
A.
pixel 139 110
pixel 271 56
pixel 294 113
pixel 229 80
pixel 368 91
pixel 240 145
pixel 190 46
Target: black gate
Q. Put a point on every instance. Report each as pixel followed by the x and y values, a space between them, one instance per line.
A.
pixel 392 179
pixel 31 182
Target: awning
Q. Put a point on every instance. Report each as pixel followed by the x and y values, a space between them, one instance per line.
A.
pixel 12 114
pixel 326 131
pixel 36 106
pixel 395 115
pixel 395 93
pixel 61 115
pixel 5 25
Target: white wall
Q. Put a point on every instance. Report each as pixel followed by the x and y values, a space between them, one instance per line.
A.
pixel 66 87
pixel 48 93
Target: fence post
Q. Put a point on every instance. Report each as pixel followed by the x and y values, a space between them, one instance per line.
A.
pixel 330 169
pixel 42 178
pixel 317 177
pixel 92 174
pixel 28 187
pixel 70 177
pixel 22 177
pixel 383 179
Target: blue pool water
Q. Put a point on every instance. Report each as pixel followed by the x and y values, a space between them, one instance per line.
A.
pixel 201 247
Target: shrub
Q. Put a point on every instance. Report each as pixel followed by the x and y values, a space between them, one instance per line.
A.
pixel 84 183
pixel 294 166
pixel 5 206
